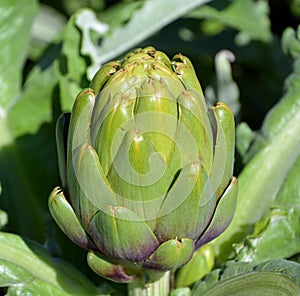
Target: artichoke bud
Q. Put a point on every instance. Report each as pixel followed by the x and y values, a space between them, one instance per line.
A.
pixel 146 166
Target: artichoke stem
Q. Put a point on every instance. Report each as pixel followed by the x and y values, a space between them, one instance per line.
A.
pixel 157 287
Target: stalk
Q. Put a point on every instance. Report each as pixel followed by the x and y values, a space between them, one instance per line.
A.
pixel 159 286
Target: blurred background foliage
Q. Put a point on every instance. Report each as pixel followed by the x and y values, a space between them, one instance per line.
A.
pixel 200 35
pixel 66 43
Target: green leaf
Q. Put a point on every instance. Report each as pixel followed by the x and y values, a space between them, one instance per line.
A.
pixel 34 108
pixel 248 16
pixel 276 277
pixel 46 26
pixel 138 28
pixel 19 117
pixel 13 37
pixel 27 121
pixel 273 154
pixel 27 177
pixel 75 64
pixel 277 235
pixel 27 268
pixel 71 66
pixel 21 282
pixel 15 22
pixel 120 13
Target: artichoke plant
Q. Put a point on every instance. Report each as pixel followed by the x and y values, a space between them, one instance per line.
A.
pixel 146 167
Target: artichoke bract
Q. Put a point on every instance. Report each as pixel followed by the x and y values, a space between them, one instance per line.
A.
pixel 146 166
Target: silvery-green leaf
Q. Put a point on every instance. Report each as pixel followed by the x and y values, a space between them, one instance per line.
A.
pixel 275 277
pixel 29 269
pixel 274 153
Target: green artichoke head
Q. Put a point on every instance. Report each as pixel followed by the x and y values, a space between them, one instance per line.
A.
pixel 146 166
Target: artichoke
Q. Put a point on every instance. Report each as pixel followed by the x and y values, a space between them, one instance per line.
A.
pixel 146 167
